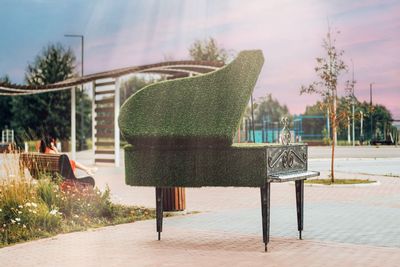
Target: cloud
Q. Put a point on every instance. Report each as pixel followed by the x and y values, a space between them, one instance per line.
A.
pixel 126 33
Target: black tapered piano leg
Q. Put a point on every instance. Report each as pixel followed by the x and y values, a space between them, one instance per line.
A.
pixel 265 211
pixel 300 205
pixel 159 210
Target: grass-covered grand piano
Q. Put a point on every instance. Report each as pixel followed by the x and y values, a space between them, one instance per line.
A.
pixel 180 134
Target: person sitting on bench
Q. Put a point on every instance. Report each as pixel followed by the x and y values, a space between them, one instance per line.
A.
pixel 47 146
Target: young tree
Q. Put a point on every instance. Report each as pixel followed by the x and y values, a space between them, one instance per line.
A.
pixel 37 114
pixel 208 50
pixel 328 70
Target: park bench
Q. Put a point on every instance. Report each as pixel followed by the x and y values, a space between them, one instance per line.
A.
pixel 180 134
pixel 52 164
pixel 4 147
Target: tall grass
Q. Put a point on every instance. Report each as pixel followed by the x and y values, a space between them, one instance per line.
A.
pixel 36 208
pixel 23 213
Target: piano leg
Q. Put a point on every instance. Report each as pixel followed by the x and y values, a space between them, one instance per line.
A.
pixel 300 205
pixel 159 210
pixel 265 211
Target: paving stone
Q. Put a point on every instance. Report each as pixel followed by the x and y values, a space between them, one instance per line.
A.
pixel 343 227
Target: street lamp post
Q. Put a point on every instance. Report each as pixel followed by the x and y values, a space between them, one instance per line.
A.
pixel 82 138
pixel 370 108
pixel 353 100
pixel 361 127
pixel 252 120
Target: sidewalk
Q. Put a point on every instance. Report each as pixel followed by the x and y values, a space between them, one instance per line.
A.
pixel 343 227
pixel 135 245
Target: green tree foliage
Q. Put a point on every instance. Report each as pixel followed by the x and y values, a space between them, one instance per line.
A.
pixel 86 113
pixel 343 112
pixel 328 70
pixel 315 126
pixel 134 84
pixel 208 50
pixel 269 109
pixel 381 117
pixel 381 120
pixel 5 106
pixel 35 115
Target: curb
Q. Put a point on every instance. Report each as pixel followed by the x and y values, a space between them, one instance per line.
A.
pixel 377 183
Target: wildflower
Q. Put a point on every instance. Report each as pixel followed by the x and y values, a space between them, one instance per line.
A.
pixel 4 225
pixel 1 210
pixel 88 204
pixel 19 212
pixel 24 226
pixel 18 219
pixel 53 212
pixel 27 204
pixel 12 221
pixel 34 212
pixel 34 205
pixel 76 216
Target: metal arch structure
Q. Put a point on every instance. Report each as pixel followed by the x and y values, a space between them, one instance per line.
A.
pixel 106 99
pixel 173 69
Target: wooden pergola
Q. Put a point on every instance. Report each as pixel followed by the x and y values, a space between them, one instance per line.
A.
pixel 106 100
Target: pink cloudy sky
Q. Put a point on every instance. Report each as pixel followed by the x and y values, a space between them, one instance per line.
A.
pixel 125 33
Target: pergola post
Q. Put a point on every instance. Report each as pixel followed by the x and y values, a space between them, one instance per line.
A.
pixel 93 121
pixel 73 123
pixel 116 127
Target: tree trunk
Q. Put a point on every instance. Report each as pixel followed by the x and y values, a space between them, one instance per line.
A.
pixel 334 132
pixel 333 121
pixel 333 160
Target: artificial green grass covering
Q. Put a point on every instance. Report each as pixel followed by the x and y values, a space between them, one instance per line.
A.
pixel 202 108
pixel 242 165
pixel 230 166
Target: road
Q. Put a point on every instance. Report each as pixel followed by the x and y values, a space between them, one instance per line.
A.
pixel 383 160
pixel 324 152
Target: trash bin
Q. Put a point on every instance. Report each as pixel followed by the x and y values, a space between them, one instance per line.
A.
pixel 174 199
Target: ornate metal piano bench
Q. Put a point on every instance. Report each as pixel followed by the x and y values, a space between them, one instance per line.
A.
pixel 180 134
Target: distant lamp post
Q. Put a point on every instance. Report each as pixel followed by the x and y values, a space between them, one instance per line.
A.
pixel 252 120
pixel 361 127
pixel 82 137
pixel 353 103
pixel 370 109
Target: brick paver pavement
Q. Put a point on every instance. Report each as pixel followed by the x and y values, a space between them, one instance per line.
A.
pixel 135 245
pixel 351 226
